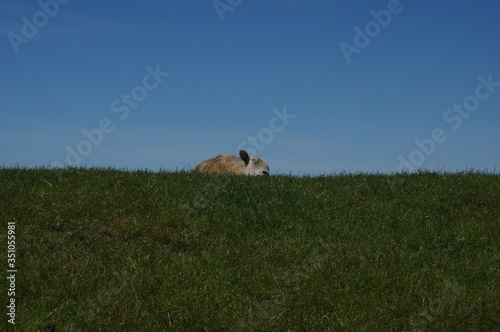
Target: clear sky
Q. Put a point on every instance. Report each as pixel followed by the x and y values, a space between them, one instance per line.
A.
pixel 310 86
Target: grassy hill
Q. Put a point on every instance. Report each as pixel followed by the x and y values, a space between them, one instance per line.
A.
pixel 111 250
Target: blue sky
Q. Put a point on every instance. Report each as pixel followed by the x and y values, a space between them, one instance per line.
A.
pixel 311 86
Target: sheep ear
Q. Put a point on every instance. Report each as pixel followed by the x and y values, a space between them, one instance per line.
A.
pixel 244 156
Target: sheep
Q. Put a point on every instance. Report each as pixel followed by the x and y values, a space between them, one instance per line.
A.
pixel 227 163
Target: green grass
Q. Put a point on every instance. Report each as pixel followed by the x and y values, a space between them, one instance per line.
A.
pixel 111 250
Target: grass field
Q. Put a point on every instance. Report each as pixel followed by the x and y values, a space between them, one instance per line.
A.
pixel 112 250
